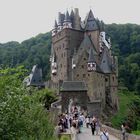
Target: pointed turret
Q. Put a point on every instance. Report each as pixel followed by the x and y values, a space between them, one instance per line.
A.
pixel 54 31
pixel 55 25
pixel 90 22
pixel 67 17
pixel 67 23
pixel 77 20
pixel 72 18
pixel 60 21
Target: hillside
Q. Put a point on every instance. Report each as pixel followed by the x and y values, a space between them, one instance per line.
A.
pixel 125 44
pixel 35 50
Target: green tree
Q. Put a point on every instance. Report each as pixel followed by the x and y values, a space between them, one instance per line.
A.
pixel 22 112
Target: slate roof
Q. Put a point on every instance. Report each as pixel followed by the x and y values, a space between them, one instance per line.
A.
pixel 90 22
pixel 85 46
pixel 73 86
pixel 55 25
pixel 91 56
pixel 35 77
pixel 106 63
pixel 67 17
pixel 61 18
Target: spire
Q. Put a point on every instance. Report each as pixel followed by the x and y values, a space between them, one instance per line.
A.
pixel 54 30
pixel 72 14
pixel 90 16
pixel 72 18
pixel 67 17
pixel 59 19
pixel 55 25
pixel 90 22
pixel 67 22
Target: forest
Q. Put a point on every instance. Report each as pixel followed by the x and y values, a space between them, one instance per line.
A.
pixel 36 50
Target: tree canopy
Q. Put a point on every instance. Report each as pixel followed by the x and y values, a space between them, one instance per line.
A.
pixel 22 111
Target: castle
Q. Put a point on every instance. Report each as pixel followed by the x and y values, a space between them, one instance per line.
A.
pixel 81 55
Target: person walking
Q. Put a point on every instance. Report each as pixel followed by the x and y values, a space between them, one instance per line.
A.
pixel 97 127
pixel 74 131
pixel 104 135
pixel 93 124
pixel 123 131
pixel 87 120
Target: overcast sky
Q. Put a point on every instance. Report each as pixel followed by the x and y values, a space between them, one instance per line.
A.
pixel 23 19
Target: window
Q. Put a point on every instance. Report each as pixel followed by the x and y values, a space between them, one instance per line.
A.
pixel 103 61
pixel 113 78
pixel 84 58
pixel 82 66
pixel 106 79
pixel 84 75
pixel 77 75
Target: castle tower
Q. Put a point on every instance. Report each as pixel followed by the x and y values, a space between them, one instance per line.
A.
pixel 77 20
pixel 81 51
pixel 67 22
pixel 92 28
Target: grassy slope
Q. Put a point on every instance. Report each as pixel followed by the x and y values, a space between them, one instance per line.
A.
pixel 124 101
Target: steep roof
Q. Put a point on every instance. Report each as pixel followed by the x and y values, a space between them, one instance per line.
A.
pixel 90 23
pixel 35 77
pixel 106 62
pixel 55 24
pixel 85 46
pixel 61 18
pixel 73 86
pixel 72 14
pixel 67 17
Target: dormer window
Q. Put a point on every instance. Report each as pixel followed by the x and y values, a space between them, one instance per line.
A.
pixel 91 66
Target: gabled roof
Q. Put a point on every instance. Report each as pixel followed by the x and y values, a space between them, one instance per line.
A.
pixel 106 62
pixel 35 78
pixel 73 86
pixel 85 46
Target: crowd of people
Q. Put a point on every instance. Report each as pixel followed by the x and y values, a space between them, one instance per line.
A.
pixel 73 122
